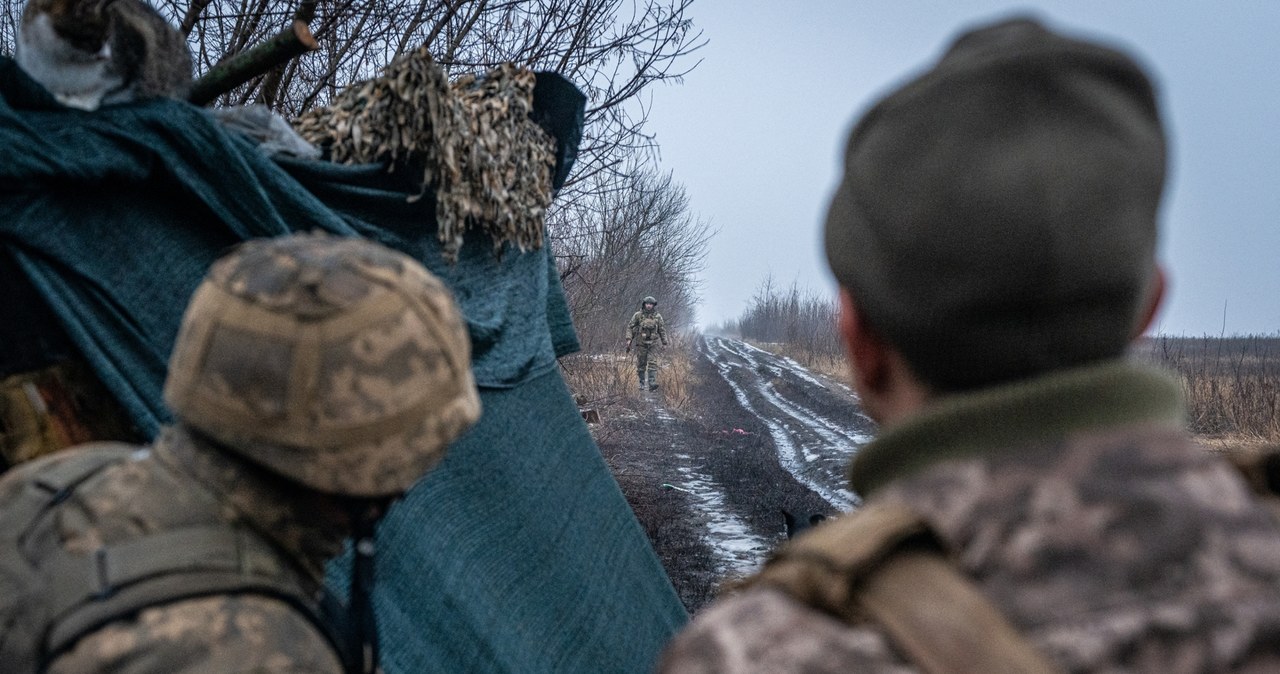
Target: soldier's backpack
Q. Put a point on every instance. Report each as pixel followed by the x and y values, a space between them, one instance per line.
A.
pixel 40 617
pixel 882 565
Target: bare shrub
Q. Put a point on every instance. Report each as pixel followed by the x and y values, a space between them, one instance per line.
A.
pixel 804 320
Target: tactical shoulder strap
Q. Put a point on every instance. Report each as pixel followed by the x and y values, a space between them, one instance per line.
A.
pixel 883 565
pixel 1261 471
pixel 118 581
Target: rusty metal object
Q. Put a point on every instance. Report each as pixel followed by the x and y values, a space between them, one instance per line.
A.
pixel 56 407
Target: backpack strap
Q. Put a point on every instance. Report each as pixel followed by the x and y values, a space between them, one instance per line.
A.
pixel 118 581
pixel 1261 472
pixel 882 564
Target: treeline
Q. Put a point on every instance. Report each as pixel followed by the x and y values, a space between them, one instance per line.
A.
pixel 803 319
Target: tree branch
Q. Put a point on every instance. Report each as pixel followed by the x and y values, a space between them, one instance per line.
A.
pixel 231 73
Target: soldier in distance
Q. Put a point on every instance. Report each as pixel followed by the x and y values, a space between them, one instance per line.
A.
pixel 1031 502
pixel 313 381
pixel 644 330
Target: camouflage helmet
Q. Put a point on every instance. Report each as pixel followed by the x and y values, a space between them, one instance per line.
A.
pixel 335 362
pixel 649 299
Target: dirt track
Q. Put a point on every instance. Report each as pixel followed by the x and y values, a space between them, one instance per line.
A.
pixel 710 487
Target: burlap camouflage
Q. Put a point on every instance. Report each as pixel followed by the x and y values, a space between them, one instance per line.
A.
pixel 1130 550
pixel 341 364
pixel 644 331
pixel 487 162
pixel 180 485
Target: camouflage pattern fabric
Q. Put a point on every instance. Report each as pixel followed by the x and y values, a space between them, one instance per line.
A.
pixel 644 329
pixel 340 363
pixel 646 361
pixel 647 327
pixel 1124 548
pixel 217 634
pixel 489 165
pixel 184 483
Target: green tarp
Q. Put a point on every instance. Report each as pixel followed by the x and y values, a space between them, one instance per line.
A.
pixel 519 553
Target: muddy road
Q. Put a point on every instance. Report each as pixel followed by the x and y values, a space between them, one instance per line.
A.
pixel 814 423
pixel 710 484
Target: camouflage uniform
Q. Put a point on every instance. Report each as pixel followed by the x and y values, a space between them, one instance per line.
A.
pixel 644 329
pixel 314 380
pixel 1107 537
pixel 185 482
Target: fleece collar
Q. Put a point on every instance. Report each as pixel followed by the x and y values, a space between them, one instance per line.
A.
pixel 1013 415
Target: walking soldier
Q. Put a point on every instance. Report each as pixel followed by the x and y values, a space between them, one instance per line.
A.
pixel 645 328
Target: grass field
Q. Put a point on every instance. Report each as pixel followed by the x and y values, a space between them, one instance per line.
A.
pixel 1232 384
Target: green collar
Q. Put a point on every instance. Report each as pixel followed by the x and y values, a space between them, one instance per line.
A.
pixel 1005 417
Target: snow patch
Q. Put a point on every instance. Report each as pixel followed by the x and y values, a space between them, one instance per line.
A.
pixel 737 550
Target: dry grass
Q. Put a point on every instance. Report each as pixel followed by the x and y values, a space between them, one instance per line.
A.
pixel 607 382
pixel 676 375
pixel 1232 385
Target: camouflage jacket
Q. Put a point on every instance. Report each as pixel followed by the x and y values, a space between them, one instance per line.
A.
pixel 1105 536
pixel 647 327
pixel 181 483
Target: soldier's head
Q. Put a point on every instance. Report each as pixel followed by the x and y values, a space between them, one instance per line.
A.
pixel 997 215
pixel 336 363
pixel 649 303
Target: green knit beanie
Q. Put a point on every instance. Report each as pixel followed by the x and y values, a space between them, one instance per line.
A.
pixel 997 214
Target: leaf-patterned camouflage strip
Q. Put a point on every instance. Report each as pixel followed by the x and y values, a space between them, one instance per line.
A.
pixel 489 164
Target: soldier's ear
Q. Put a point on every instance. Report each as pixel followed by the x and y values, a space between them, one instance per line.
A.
pixel 863 346
pixel 1153 301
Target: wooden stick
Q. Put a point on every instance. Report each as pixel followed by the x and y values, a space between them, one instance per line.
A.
pixel 240 68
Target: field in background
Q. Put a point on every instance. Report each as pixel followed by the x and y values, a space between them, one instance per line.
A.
pixel 1232 384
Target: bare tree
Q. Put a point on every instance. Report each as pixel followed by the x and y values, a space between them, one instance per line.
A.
pixel 613 49
pixel 635 237
pixel 803 319
pixel 612 213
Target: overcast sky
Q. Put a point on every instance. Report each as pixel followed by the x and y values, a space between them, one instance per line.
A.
pixel 756 131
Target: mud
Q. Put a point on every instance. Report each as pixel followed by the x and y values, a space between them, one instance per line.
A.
pixel 709 485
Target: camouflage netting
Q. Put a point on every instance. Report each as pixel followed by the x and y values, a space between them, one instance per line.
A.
pixel 489 164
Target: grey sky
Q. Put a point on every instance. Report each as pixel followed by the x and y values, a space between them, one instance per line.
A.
pixel 756 132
